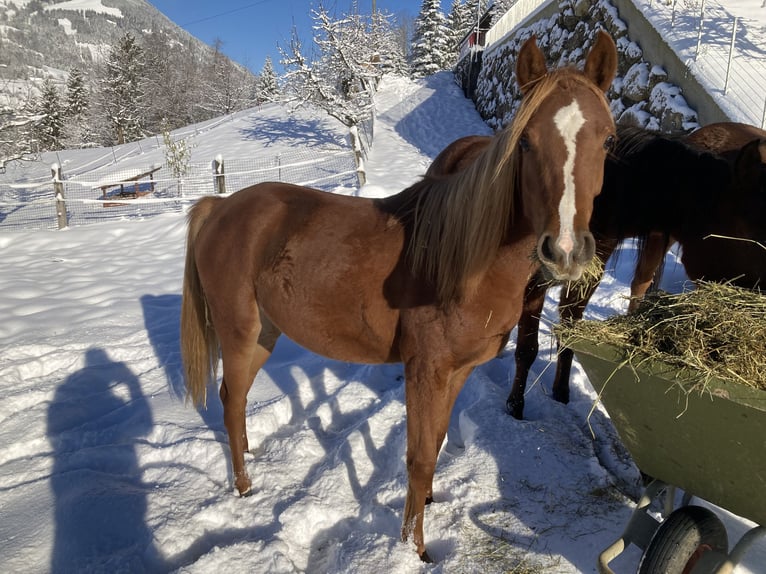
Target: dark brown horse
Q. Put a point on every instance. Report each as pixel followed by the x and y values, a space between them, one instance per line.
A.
pixel 733 251
pixel 656 188
pixel 432 277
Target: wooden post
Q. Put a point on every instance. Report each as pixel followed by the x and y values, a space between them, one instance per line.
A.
pixel 219 179
pixel 58 193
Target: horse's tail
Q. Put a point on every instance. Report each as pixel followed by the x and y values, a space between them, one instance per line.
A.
pixel 199 342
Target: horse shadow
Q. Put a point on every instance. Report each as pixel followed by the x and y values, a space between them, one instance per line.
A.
pixel 162 319
pixel 96 418
pixel 345 436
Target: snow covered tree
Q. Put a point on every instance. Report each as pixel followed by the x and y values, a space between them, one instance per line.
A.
pixel 122 90
pixel 268 89
pixel 430 40
pixel 76 131
pixel 76 94
pixel 456 30
pixel 390 57
pixel 50 111
pixel 17 139
pixel 229 88
pixel 344 76
pixel 172 74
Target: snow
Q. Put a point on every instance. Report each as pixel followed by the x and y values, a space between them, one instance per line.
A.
pixel 740 84
pixel 85 6
pixel 104 467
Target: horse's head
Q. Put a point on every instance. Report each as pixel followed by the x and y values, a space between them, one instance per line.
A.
pixel 749 184
pixel 565 131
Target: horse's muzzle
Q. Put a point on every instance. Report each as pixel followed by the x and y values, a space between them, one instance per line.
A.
pixel 565 265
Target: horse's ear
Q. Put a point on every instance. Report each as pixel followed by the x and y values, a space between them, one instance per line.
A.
pixel 530 64
pixel 749 163
pixel 601 64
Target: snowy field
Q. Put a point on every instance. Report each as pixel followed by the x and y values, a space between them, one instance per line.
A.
pixel 105 468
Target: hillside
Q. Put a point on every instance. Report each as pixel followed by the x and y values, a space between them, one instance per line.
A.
pixel 46 38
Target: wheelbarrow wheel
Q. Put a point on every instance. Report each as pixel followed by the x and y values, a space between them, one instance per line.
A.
pixel 683 538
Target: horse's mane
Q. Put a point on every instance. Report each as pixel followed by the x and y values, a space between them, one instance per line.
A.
pixel 457 223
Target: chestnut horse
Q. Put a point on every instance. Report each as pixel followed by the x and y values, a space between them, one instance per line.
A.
pixel 706 200
pixel 432 277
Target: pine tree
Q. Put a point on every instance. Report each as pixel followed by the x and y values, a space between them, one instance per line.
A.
pixel 429 42
pixel 267 84
pixel 122 90
pixel 51 121
pixel 456 28
pixel 77 130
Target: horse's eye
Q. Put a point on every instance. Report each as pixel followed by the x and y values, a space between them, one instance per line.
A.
pixel 523 143
pixel 610 143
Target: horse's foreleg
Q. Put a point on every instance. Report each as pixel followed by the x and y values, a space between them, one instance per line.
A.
pixel 574 299
pixel 429 399
pixel 526 343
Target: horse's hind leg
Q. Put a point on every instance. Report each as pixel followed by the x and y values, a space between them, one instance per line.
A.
pixel 649 267
pixel 244 351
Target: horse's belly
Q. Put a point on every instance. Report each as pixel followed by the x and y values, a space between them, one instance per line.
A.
pixel 336 327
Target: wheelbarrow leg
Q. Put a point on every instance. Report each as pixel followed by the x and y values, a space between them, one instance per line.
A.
pixel 638 531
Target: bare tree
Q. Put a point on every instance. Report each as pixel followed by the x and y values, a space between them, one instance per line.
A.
pixel 343 78
pixel 17 140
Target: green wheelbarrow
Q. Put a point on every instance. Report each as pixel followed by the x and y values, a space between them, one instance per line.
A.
pixel 710 443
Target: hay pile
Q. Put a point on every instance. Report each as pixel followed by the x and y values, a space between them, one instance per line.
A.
pixel 714 331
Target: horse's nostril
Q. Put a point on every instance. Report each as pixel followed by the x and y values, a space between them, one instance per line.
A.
pixel 546 249
pixel 588 249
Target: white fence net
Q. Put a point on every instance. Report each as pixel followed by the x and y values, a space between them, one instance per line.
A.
pixel 109 194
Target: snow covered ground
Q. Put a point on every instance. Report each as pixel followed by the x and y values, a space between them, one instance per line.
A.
pixel 726 24
pixel 105 468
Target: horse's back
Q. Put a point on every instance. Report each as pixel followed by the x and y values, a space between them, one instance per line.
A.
pixel 458 155
pixel 724 137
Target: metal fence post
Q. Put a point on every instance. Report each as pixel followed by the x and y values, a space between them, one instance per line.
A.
pixel 731 55
pixel 58 193
pixel 763 117
pixel 219 177
pixel 699 31
pixel 673 15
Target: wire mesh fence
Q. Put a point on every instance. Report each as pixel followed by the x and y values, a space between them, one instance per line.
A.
pixel 139 193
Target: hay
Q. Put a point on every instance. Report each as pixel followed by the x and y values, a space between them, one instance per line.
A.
pixel 586 284
pixel 714 331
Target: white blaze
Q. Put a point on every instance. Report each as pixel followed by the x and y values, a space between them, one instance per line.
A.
pixel 568 120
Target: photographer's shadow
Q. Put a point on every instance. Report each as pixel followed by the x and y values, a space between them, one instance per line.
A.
pixel 97 416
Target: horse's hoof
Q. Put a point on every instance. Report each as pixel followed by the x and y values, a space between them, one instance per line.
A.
pixel 247 493
pixel 515 409
pixel 424 557
pixel 429 500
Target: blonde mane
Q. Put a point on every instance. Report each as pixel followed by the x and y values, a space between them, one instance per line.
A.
pixel 459 222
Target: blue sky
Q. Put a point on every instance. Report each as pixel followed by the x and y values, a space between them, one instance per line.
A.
pixel 251 29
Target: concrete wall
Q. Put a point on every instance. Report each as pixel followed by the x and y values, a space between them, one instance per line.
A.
pixel 658 52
